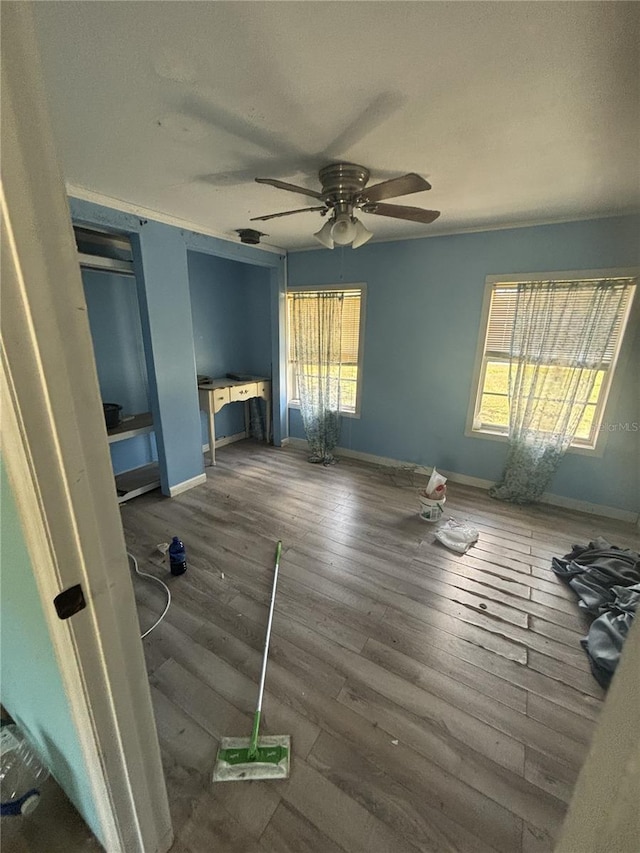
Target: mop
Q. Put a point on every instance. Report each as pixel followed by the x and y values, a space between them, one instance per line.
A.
pixel 266 757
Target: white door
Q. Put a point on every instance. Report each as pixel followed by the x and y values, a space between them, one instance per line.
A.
pixel 56 455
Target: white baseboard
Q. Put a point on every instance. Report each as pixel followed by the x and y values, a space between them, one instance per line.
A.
pixel 186 485
pixel 229 439
pixel 480 483
pixel 590 508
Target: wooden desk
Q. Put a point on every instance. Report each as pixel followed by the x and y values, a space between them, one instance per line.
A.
pixel 214 395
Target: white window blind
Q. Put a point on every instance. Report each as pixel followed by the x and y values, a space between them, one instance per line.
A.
pixel 553 341
pixel 348 363
pixel 570 302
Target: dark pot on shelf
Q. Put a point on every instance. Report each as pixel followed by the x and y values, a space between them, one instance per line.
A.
pixel 111 414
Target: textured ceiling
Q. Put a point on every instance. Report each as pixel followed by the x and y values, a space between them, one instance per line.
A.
pixel 516 112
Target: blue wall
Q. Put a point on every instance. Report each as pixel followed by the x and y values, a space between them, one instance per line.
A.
pixel 230 309
pixel 32 688
pixel 424 300
pixel 116 330
pixel 258 341
pixel 160 260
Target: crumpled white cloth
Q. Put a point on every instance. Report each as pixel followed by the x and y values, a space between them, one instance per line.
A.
pixel 457 535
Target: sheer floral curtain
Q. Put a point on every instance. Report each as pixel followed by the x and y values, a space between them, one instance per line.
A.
pixel 317 331
pixel 561 341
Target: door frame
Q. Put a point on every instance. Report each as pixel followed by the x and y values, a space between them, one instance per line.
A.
pixel 55 449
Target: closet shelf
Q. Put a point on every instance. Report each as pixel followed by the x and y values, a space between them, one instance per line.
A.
pixel 102 264
pixel 137 425
pixel 130 484
pixel 136 482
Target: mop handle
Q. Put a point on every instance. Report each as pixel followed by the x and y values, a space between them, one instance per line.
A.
pixel 263 675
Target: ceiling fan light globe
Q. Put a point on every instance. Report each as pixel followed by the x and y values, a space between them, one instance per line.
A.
pixel 324 235
pixel 362 236
pixel 343 230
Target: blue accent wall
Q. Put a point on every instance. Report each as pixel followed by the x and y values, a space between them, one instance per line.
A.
pixel 258 339
pixel 424 301
pixel 32 688
pixel 230 309
pixel 160 260
pixel 114 317
pixel 116 330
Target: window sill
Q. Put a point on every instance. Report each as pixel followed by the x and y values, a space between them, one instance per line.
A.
pixel 292 404
pixel 579 450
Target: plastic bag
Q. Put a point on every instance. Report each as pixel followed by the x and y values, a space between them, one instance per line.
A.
pixel 436 488
pixel 457 535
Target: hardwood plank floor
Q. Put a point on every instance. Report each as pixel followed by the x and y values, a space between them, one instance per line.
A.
pixel 436 702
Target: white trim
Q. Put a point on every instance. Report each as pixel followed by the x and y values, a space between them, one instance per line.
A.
pixel 121 204
pixel 185 485
pixel 226 439
pixel 611 387
pixel 574 450
pixel 481 483
pixel 479 229
pixel 357 286
pixel 479 359
pixel 295 405
pixel 591 508
pixel 230 439
pixel 562 275
pixel 24 486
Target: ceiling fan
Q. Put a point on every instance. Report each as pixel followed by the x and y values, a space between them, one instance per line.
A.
pixel 343 192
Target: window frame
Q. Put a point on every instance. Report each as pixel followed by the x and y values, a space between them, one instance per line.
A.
pixel 294 403
pixel 611 385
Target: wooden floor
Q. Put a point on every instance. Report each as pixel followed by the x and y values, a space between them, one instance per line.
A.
pixel 54 827
pixel 436 702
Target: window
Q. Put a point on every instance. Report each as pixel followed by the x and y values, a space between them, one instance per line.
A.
pixel 490 404
pixel 349 366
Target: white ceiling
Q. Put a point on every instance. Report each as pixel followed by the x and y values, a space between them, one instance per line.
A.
pixel 516 112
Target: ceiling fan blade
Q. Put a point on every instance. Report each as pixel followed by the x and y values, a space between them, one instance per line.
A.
pixel 399 211
pixel 286 213
pixel 405 185
pixel 283 185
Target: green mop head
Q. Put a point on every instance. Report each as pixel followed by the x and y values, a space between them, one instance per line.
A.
pixel 238 759
pixel 254 757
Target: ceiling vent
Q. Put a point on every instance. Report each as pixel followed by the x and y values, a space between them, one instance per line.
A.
pixel 250 235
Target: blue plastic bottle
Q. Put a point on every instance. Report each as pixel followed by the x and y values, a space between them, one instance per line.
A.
pixel 21 773
pixel 177 557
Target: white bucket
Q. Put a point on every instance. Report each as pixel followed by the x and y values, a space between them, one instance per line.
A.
pixel 431 510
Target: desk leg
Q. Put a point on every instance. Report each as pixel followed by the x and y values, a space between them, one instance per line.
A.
pixel 247 420
pixel 205 399
pixel 268 420
pixel 212 436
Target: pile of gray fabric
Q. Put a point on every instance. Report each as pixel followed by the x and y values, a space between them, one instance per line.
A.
pixel 607 581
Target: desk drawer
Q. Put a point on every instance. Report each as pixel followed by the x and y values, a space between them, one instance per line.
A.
pixel 220 398
pixel 243 392
pixel 264 390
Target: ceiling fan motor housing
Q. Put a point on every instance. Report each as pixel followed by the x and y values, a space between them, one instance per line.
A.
pixel 342 183
pixel 344 191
